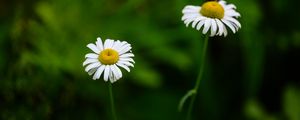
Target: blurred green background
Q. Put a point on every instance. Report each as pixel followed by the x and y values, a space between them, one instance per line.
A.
pixel 251 75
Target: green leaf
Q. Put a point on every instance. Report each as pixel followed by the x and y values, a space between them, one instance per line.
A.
pixel 292 103
pixel 190 93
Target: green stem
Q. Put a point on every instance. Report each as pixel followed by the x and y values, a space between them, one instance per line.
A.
pixel 198 78
pixel 112 102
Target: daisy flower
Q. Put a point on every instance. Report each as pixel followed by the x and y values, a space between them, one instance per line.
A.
pixel 107 58
pixel 213 16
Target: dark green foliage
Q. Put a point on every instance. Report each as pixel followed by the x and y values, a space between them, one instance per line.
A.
pixel 253 74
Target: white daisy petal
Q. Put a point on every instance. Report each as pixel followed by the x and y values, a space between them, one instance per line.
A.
pixel 99 43
pixel 127 60
pixel 114 73
pixel 108 43
pixel 190 11
pixel 123 43
pixel 232 13
pixel 191 7
pixel 188 17
pixel 220 27
pixel 207 25
pixel 124 66
pixel 225 31
pixel 188 21
pixel 93 47
pixel 186 11
pixel 123 47
pixel 92 71
pixel 117 72
pixel 126 63
pixel 116 45
pixel 229 25
pixel 106 72
pixel 213 28
pixel 91 55
pixel 200 24
pixel 126 55
pixel 197 21
pixel 234 21
pixel 91 66
pixel 124 50
pixel 235 26
pixel 88 61
pixel 111 75
pixel 98 73
pixel 230 6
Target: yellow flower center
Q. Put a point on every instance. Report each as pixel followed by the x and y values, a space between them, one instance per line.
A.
pixel 108 57
pixel 212 9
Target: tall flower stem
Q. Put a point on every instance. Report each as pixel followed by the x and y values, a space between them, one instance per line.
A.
pixel 114 115
pixel 198 78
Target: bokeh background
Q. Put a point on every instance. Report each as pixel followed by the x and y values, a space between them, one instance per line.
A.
pixel 251 75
